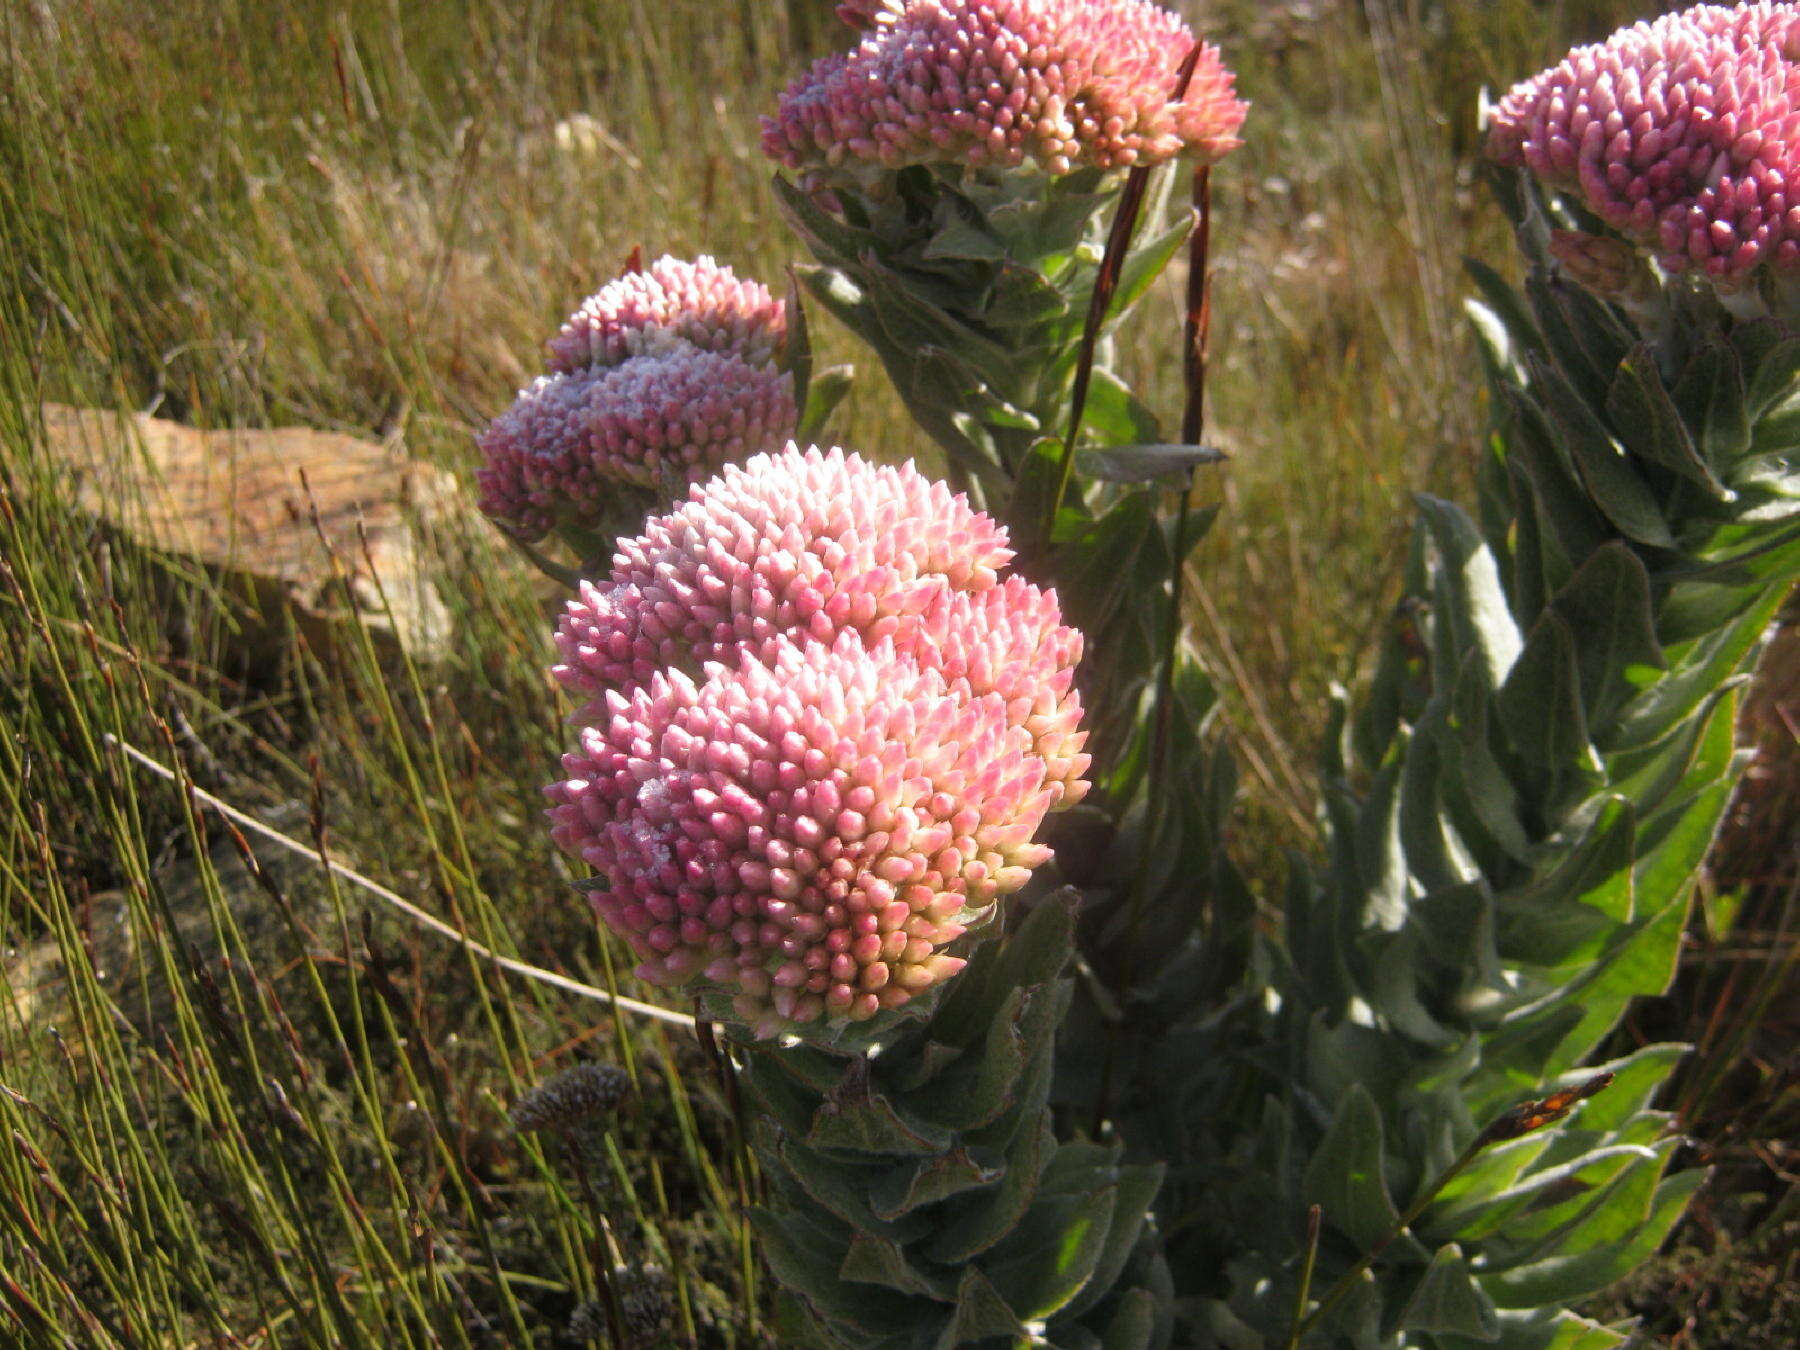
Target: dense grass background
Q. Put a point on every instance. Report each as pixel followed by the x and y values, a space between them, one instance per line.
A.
pixel 242 1113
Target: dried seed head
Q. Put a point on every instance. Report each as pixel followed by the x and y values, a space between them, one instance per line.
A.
pixel 587 1324
pixel 578 1097
pixel 646 1298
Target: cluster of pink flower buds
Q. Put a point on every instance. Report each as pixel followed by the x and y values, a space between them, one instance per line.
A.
pixel 825 734
pixel 800 544
pixel 655 382
pixel 699 302
pixel 1682 133
pixel 1063 83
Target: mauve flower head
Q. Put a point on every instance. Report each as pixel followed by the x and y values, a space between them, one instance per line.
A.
pixel 796 544
pixel 560 455
pixel 1682 133
pixel 700 302
pixel 995 83
pixel 805 832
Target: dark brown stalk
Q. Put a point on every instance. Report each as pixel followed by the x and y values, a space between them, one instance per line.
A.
pixel 1196 333
pixel 1197 325
pixel 1106 281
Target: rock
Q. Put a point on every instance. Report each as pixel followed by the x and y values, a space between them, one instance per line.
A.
pixel 242 502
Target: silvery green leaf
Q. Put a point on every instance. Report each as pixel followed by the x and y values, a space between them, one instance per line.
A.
pixel 1614 485
pixel 1147 261
pixel 1648 422
pixel 1540 703
pixel 1608 603
pixel 1711 396
pixel 1115 416
pixel 1346 1175
pixel 1053 1252
pixel 825 391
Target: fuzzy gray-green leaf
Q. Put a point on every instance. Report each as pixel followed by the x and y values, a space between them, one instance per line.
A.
pixel 1346 1175
pixel 1449 1301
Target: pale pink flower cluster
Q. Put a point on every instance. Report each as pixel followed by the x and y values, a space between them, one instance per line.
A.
pixel 801 544
pixel 1682 133
pixel 655 382
pixel 1063 83
pixel 825 734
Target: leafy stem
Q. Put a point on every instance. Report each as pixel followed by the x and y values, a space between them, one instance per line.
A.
pixel 1520 1120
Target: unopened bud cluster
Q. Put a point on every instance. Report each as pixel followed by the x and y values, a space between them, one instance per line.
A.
pixel 999 83
pixel 653 383
pixel 822 735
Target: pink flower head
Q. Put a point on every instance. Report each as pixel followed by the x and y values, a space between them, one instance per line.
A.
pixel 699 302
pixel 999 82
pixel 799 544
pixel 561 453
pixel 806 831
pixel 1682 133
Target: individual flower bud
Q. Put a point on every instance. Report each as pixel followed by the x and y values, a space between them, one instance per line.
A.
pixel 699 302
pixel 807 832
pixel 998 83
pixel 571 1101
pixel 1680 132
pixel 800 544
pixel 562 453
